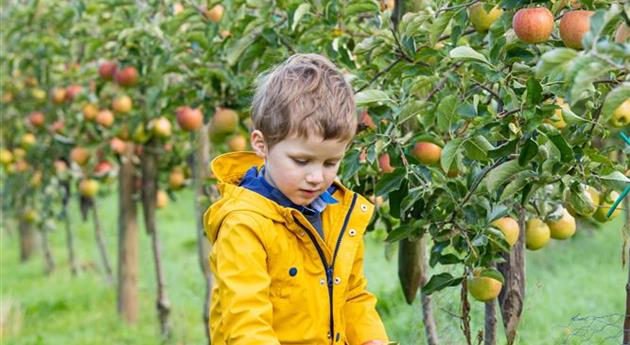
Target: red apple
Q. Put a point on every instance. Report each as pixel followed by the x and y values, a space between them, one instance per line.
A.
pixel 72 91
pixel 383 163
pixel 127 77
pixel 189 119
pixel 427 153
pixel 107 69
pixel 122 104
pixel 105 118
pixel 573 26
pixel 117 145
pixel 80 155
pixel 36 119
pixel 533 25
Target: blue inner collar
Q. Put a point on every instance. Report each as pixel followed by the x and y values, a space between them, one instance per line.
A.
pixel 254 180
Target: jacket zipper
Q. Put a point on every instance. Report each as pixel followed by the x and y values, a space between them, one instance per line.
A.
pixel 330 268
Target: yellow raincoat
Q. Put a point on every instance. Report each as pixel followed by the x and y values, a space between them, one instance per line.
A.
pixel 276 280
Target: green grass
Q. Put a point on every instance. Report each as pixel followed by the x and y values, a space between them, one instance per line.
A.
pixel 581 277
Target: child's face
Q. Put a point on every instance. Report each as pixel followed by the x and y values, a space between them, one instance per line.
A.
pixel 301 168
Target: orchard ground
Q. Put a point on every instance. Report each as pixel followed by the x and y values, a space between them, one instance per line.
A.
pixel 574 295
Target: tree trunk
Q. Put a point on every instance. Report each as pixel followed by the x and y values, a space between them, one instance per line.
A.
pixel 27 240
pixel 100 243
pixel 49 261
pixel 430 328
pixel 512 295
pixel 465 312
pixel 490 331
pixel 626 323
pixel 149 192
pixel 200 171
pixel 127 241
pixel 69 236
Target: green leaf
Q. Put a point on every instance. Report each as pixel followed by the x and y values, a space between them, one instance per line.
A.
pixel 449 153
pixel 438 26
pixel 370 96
pixel 361 7
pixel 520 180
pixel 477 148
pixel 235 51
pixel 528 152
pixel 501 174
pixel 467 53
pixel 554 59
pixel 614 100
pixel 566 154
pixel 298 14
pixel 534 91
pixel 504 149
pixel 446 112
pixel 439 282
pixel 493 273
pixel 616 180
pixel 390 182
pixel 401 232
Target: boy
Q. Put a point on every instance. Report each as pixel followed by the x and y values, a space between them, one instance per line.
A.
pixel 287 249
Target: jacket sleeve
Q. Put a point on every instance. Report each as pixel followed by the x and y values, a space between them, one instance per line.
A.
pixel 243 282
pixel 362 321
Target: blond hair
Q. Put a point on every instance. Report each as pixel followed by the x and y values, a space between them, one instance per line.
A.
pixel 304 95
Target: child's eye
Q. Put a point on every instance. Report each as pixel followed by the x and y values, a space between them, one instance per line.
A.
pixel 330 164
pixel 300 161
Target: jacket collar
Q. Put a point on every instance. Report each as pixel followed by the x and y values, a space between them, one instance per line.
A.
pixel 254 180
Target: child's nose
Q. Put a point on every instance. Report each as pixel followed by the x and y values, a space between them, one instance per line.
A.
pixel 315 176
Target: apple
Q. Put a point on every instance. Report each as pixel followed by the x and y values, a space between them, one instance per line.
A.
pixel 537 234
pixel 509 228
pixel 178 8
pixel 383 163
pixel 107 69
pixel 573 26
pixel 60 166
pixel 58 126
pixel 72 91
pixel 36 179
pixel 88 188
pixel 482 20
pixel 161 199
pixel 237 143
pixel 58 95
pixel 483 288
pixel 621 115
pixel 176 178
pixel 189 119
pixel 117 145
pixel 215 13
pixel 387 5
pixel 29 215
pixel 427 153
pixel 38 94
pixel 90 111
pixel 601 215
pixel 19 153
pixel 6 157
pixel 563 227
pixel 103 167
pixel 127 77
pixel 80 155
pixel 533 25
pixel 122 104
pixel 21 165
pixel 366 120
pixel 30 81
pixel 225 34
pixel 105 118
pixel 36 119
pixel 27 140
pixel 224 121
pixel 162 127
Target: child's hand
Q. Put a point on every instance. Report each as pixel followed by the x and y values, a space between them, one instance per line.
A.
pixel 373 342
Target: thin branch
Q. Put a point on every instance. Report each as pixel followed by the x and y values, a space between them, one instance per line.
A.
pixel 454 7
pixel 493 94
pixel 378 75
pixel 442 82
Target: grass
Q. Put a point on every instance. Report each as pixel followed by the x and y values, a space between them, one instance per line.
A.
pixel 574 294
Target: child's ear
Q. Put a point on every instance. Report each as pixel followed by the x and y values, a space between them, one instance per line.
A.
pixel 257 140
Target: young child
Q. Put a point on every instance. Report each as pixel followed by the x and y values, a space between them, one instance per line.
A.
pixel 287 238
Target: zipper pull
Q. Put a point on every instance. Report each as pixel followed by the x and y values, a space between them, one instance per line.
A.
pixel 329 274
